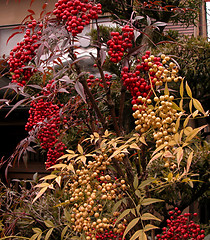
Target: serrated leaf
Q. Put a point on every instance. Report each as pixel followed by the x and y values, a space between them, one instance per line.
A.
pixel 49 177
pixel 149 227
pixel 189 92
pixel 130 226
pixel 198 106
pixel 149 216
pixel 40 193
pixel 80 149
pixel 49 224
pixel 189 160
pixel 148 201
pixel 122 215
pixel 64 232
pixel 136 182
pixel 48 234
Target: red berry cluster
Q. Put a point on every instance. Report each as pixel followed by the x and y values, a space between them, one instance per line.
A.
pixel 76 13
pixel 138 82
pixel 180 227
pixel 23 53
pixel 109 235
pixel 92 81
pixel 120 43
pixel 46 116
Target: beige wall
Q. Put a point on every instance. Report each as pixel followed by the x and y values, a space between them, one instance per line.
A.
pixel 14 11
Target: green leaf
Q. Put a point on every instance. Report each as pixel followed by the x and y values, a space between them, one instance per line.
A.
pixel 64 232
pixel 146 183
pixel 49 224
pixel 48 234
pixel 148 201
pixel 130 226
pixel 149 216
pixel 136 182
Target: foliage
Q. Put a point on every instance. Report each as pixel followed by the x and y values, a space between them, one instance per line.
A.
pixel 102 181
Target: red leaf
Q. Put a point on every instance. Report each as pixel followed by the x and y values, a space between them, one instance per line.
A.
pixel 44 5
pixel 31 2
pixel 31 11
pixel 13 36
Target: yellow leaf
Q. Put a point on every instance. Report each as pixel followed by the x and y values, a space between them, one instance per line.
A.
pixel 195 114
pixel 70 151
pixel 135 146
pixel 170 176
pixel 168 154
pixel 179 155
pixel 142 139
pixel 176 107
pixel 190 105
pixel 189 160
pixel 186 121
pixel 188 130
pixel 181 105
pixel 181 90
pixel 177 123
pixel 149 216
pixel 48 177
pixel 189 92
pixel 194 132
pixel 96 135
pixel 42 185
pixel 60 165
pixel 40 193
pixel 70 167
pixel 198 106
pixel 155 157
pixel 177 138
pixel 80 149
pixel 58 180
pixel 158 149
pixel 47 236
pixel 166 91
pixel 140 234
pixel 130 226
pixel 149 227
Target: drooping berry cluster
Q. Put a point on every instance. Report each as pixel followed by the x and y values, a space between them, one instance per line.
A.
pixel 76 13
pixel 94 81
pixel 118 44
pixel 45 116
pixel 22 54
pixel 90 189
pixel 180 227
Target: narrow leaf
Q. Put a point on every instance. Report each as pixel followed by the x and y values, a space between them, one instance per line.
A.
pixel 80 90
pixel 40 193
pixel 189 92
pixel 80 149
pixel 189 160
pixel 149 227
pixel 149 216
pixel 64 232
pixel 148 201
pixel 179 155
pixel 198 106
pixel 48 234
pixel 130 226
pixel 122 215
